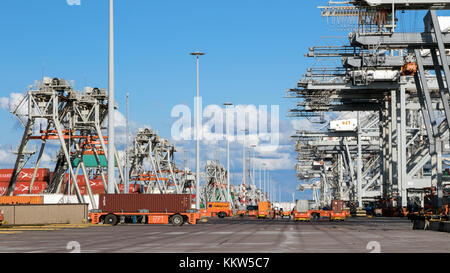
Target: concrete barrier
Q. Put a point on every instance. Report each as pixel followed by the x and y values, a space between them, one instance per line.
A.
pixel 45 214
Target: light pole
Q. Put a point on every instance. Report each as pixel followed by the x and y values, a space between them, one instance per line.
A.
pixel 268 185
pixel 264 192
pixel 252 164
pixel 274 191
pixel 243 165
pixel 227 104
pixel 260 188
pixel 127 159
pixel 197 135
pixel 279 192
pixel 111 102
pixel 359 162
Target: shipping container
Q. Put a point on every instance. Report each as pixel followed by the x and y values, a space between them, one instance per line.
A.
pixel 337 205
pixel 96 185
pixel 153 203
pixel 25 175
pixel 97 182
pixel 286 206
pixel 21 200
pixel 83 190
pixel 58 198
pixel 134 188
pixel 302 206
pixel 90 161
pixel 264 209
pixel 23 188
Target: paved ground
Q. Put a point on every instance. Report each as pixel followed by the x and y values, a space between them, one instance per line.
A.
pixel 231 236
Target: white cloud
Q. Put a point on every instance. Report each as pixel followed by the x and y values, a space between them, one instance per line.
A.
pixel 119 119
pixel 46 158
pixel 4 103
pixel 15 103
pixel 302 124
pixel 6 157
pixel 10 103
pixel 276 157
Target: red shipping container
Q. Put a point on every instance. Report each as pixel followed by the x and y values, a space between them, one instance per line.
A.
pixel 132 189
pixel 25 175
pixel 83 191
pixel 154 203
pixel 97 182
pixel 23 187
pixel 337 205
pixel 96 185
pixel 98 191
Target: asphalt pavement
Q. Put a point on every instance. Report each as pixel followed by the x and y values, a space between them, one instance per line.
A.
pixel 230 235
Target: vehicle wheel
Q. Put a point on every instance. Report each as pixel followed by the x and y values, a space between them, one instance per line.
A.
pixel 221 215
pixel 110 219
pixel 177 220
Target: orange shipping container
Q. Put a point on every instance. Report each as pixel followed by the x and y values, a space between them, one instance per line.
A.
pixel 21 200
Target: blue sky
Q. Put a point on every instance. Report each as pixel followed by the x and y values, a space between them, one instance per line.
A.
pixel 254 52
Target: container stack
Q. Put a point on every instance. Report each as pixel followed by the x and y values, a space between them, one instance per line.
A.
pixel 96 184
pixel 23 184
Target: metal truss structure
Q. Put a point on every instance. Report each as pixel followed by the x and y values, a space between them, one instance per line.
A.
pixel 73 118
pixel 214 187
pixel 398 84
pixel 160 174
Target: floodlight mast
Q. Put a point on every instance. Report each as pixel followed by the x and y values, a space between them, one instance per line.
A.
pixel 197 135
pixel 111 102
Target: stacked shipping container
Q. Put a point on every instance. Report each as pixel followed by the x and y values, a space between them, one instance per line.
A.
pixel 96 184
pixel 43 177
pixel 23 181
